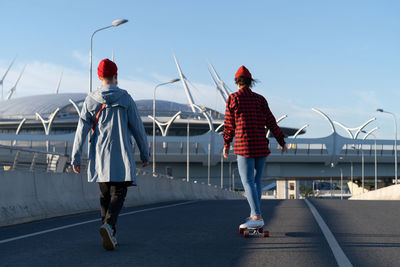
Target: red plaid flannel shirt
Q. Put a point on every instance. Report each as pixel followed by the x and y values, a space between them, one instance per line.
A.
pixel 246 116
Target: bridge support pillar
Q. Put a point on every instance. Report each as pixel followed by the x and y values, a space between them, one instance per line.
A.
pixel 287 189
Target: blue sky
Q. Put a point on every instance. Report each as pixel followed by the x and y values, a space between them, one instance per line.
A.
pixel 340 56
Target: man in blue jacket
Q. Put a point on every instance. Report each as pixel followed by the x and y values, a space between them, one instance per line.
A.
pixel 110 114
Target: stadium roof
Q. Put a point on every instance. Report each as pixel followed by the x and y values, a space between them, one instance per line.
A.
pixel 45 105
pixel 27 107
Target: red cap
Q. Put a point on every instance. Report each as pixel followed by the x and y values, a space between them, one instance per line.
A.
pixel 243 71
pixel 107 69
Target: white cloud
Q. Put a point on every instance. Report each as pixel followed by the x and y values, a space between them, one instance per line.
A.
pixel 368 97
pixel 82 58
pixel 42 78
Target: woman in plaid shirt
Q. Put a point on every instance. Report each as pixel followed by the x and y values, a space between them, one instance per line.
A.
pixel 246 116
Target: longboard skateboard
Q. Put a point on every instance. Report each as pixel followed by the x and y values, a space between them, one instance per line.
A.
pixel 257 231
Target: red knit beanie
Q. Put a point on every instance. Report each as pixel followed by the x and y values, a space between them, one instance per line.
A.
pixel 243 71
pixel 107 69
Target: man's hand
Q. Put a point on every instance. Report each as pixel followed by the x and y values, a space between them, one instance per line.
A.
pixel 145 163
pixel 284 149
pixel 76 168
pixel 226 152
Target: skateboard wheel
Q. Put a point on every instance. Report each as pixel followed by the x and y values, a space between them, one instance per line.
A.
pixel 266 234
pixel 240 230
pixel 246 233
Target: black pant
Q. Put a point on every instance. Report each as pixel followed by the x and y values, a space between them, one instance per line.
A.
pixel 112 197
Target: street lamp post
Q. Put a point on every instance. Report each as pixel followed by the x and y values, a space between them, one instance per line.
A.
pixel 233 179
pixel 376 167
pixel 375 161
pixel 351 176
pixel 230 174
pixel 222 170
pixel 395 141
pixel 362 166
pixel 341 184
pixel 187 150
pixel 154 121
pixel 209 162
pixel 115 23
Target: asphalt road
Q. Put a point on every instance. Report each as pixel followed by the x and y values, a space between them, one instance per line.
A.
pixel 367 231
pixel 205 233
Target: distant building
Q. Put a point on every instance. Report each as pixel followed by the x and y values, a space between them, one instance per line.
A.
pixel 23 113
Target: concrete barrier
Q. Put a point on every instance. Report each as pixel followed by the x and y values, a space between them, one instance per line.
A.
pixel 387 193
pixel 29 196
pixel 356 189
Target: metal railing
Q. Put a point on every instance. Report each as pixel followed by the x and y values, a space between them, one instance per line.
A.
pixel 20 158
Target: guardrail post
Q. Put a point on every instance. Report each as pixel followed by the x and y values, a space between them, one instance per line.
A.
pixel 66 148
pixel 165 147
pixel 208 163
pixel 230 174
pixel 33 162
pixel 15 160
pixel 222 170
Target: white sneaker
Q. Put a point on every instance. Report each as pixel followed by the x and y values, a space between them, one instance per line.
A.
pixel 251 223
pixel 115 240
pixel 106 233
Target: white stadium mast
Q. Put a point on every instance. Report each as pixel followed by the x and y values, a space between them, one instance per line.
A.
pixel 220 91
pixel 221 82
pixel 185 86
pixel 4 76
pixel 12 90
pixel 59 82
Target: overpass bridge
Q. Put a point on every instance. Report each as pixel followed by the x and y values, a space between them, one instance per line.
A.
pixel 331 157
pixel 199 157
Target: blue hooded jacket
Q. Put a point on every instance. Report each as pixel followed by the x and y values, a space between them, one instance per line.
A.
pixel 111 157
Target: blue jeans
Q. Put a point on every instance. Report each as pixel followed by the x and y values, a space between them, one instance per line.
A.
pixel 252 181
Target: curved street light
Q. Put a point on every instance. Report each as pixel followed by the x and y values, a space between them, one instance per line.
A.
pixel 395 140
pixel 115 23
pixel 154 120
pixel 118 22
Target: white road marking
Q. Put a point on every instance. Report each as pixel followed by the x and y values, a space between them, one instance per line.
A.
pixel 90 221
pixel 340 257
